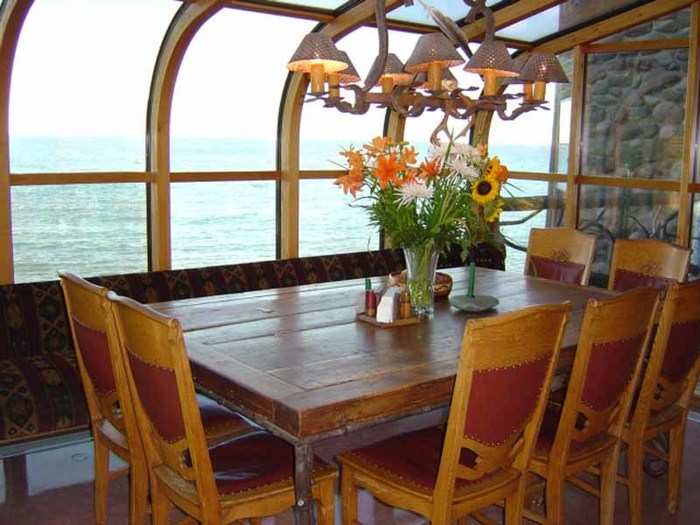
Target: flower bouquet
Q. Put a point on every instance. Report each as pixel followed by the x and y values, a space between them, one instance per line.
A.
pixel 426 207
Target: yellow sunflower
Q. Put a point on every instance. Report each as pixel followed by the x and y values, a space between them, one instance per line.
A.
pixel 493 211
pixel 492 168
pixel 485 190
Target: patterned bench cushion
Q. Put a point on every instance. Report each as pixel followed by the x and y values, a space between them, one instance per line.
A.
pixel 40 390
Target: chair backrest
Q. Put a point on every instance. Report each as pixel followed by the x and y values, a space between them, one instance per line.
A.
pixel 560 254
pixel 614 336
pixel 646 262
pixel 159 377
pixel 99 358
pixel 674 362
pixel 504 375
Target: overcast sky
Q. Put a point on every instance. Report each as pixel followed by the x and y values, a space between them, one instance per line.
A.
pixel 83 68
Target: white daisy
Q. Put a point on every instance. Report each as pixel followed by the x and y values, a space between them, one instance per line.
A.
pixel 466 150
pixel 438 150
pixel 463 168
pixel 413 191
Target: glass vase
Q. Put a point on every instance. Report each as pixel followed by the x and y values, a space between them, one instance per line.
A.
pixel 421 263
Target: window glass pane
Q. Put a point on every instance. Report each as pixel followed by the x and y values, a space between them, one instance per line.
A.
pixel 524 144
pixel 323 4
pixel 324 131
pixel 328 224
pixel 80 88
pixel 226 101
pixel 88 229
pixel 569 14
pixel 418 15
pixel 331 223
pixel 624 213
pixel 529 204
pixel 536 141
pixel 675 25
pixel 222 223
pixel 634 114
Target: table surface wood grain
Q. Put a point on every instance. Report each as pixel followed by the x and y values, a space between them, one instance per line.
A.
pixel 296 358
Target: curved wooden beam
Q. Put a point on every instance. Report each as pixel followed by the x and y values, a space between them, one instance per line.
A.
pixel 290 126
pixel 12 16
pixel 184 26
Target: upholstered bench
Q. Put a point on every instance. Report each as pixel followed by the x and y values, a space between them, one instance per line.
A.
pixel 40 390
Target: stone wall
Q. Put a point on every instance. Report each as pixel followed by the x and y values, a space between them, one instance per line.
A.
pixel 633 127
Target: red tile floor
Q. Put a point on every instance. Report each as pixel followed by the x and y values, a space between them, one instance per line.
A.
pixel 54 487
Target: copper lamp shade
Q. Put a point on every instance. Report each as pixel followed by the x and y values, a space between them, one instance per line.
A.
pixel 545 67
pixel 433 48
pixel 394 74
pixel 318 56
pixel 540 69
pixel 433 53
pixel 492 60
pixel 492 55
pixel 349 75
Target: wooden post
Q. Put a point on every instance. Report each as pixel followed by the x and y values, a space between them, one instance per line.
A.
pixel 12 18
pixel 691 130
pixel 184 26
pixel 577 102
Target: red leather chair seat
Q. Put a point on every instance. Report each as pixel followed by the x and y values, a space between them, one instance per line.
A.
pixel 256 460
pixel 563 271
pixel 413 460
pixel 548 431
pixel 220 421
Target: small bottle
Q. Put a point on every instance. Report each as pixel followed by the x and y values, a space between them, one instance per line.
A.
pixel 405 306
pixel 370 299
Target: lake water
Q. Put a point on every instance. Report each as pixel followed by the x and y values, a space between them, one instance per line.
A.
pixel 101 229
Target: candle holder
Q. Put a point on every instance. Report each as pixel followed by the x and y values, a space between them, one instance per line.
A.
pixel 471 302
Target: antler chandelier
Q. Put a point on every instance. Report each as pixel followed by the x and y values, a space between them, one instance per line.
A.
pixel 425 81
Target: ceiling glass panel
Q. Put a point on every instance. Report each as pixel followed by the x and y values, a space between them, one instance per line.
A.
pixel 454 9
pixel 323 4
pixel 560 18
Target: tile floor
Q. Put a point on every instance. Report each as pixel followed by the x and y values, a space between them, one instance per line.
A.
pixel 54 487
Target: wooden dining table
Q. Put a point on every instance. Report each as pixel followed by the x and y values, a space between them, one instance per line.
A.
pixel 297 362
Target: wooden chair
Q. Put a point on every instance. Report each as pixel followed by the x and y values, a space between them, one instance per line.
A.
pixel 245 478
pixel 646 262
pixel 560 254
pixel 586 431
pixel 667 389
pixel 108 398
pixel 482 457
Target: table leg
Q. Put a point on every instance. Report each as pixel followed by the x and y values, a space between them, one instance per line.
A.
pixel 303 466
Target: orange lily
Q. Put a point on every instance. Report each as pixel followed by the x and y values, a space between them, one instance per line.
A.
pixel 354 158
pixel 387 170
pixel 430 168
pixel 351 183
pixel 502 174
pixel 379 145
pixel 408 155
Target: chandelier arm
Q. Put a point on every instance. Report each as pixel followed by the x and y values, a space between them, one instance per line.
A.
pixel 360 107
pixel 479 6
pixel 413 107
pixel 520 110
pixel 441 127
pixel 469 125
pixel 378 67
